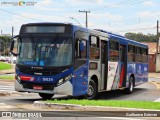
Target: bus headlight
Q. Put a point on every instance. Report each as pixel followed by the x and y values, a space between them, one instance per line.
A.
pixel 68 77
pixel 62 80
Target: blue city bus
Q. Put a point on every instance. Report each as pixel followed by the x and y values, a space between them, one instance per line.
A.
pixel 61 58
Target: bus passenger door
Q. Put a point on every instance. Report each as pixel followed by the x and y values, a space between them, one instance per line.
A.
pixel 123 65
pixel 104 64
pixel 81 63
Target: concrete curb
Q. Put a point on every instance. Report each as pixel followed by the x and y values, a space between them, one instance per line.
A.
pixel 5 93
pixel 6 72
pixel 45 105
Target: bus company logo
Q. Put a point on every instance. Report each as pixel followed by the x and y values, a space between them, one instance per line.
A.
pixel 145 69
pixel 18 3
pixel 140 67
pixel 38 79
pixel 32 79
pixel 111 68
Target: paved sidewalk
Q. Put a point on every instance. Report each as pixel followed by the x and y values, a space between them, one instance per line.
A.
pixel 154 75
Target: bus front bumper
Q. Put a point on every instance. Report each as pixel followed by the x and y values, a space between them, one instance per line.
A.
pixel 64 89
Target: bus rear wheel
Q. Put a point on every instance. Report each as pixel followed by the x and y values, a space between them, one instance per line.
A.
pixel 129 90
pixel 46 96
pixel 92 90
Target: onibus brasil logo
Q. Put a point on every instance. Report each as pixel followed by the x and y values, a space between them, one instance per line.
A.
pixel 19 3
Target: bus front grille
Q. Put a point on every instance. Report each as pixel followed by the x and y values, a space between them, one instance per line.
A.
pixel 45 73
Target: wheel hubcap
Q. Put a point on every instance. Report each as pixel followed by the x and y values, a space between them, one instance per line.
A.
pixel 90 90
pixel 131 85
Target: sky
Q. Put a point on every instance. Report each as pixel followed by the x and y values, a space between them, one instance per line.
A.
pixel 117 16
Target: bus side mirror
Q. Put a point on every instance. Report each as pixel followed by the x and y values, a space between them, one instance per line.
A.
pixel 14 46
pixel 81 46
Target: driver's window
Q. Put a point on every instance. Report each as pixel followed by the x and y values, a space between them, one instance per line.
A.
pixel 80 48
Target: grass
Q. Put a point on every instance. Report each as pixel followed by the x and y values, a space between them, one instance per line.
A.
pixel 5 66
pixel 111 103
pixel 7 77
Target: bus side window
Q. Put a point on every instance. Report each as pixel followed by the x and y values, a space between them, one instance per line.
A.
pixel 144 55
pixel 94 47
pixel 131 53
pixel 138 54
pixel 113 51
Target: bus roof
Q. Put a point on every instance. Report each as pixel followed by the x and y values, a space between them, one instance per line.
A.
pixel 75 27
pixel 123 39
pixel 94 32
pixel 48 23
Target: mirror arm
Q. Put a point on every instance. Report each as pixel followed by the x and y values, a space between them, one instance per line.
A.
pixel 15 36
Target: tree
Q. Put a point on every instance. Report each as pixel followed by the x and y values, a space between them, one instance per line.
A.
pixel 140 37
pixel 4 45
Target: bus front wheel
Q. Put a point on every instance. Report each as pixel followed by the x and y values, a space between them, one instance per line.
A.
pixel 46 96
pixel 92 90
pixel 129 90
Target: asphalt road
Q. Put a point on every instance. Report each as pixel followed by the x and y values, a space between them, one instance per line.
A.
pixel 145 92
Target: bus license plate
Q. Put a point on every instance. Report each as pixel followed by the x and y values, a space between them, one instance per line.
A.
pixel 37 87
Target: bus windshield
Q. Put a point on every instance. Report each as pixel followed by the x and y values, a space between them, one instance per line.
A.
pixel 45 51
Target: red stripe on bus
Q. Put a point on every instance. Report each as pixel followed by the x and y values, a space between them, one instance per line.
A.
pixel 121 76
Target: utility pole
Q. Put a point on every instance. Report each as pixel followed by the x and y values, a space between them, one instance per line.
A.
pixel 84 11
pixel 11 54
pixel 157 51
pixel 139 20
pixel 12 30
pixel 157 38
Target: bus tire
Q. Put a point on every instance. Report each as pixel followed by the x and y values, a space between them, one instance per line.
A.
pixel 46 96
pixel 129 90
pixel 92 90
